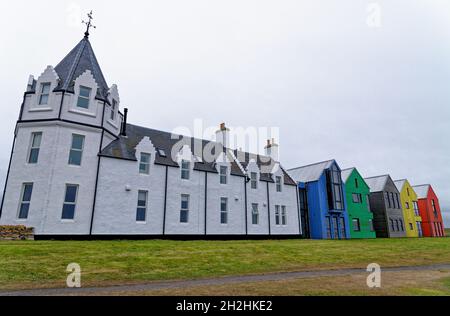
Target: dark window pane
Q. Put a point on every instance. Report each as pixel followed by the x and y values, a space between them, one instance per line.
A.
pixel 75 158
pixel 140 214
pixel 34 155
pixel 77 142
pixel 184 216
pixel 24 208
pixel 27 191
pixel 68 211
pixel 71 194
pixel 83 103
pixel 223 217
pixel 45 88
pixel 43 99
pixel 85 92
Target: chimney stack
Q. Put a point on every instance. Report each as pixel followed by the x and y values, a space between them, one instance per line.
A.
pixel 124 123
pixel 272 150
pixel 223 136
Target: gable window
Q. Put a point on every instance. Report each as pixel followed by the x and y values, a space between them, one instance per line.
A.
pixel 144 163
pixel 185 169
pixel 283 216
pixel 371 225
pixel 279 184
pixel 113 110
pixel 335 195
pixel 70 199
pixel 433 207
pixel 416 208
pixel 356 225
pixel 357 198
pixel 45 92
pixel 254 180
pixel 255 214
pixel 84 97
pixel 33 155
pixel 141 211
pixel 397 199
pixel 224 211
pixel 393 199
pixel 407 191
pixel 24 208
pixel 223 175
pixel 184 212
pixel 277 215
pixel 356 183
pixel 76 150
pixel 388 200
pixel 407 205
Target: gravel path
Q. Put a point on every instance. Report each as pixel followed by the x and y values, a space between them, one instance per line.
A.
pixel 160 285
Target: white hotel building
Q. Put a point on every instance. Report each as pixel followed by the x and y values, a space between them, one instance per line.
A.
pixel 78 169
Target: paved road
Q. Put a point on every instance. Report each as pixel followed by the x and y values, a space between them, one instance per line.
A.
pixel 213 281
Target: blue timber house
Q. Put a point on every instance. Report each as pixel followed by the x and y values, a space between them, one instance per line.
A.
pixel 322 200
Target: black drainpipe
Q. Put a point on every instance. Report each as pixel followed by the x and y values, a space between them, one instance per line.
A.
pixel 165 201
pixel 98 171
pixel 206 202
pixel 62 103
pixel 268 208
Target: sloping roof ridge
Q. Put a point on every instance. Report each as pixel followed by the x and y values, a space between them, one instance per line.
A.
pixel 81 46
pixel 312 164
pixel 384 175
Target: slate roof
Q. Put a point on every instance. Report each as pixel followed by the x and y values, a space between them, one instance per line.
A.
pixel 80 59
pixel 346 173
pixel 421 190
pixel 399 184
pixel 124 148
pixel 311 172
pixel 377 184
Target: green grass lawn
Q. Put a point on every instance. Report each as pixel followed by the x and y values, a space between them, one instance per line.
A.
pixel 29 264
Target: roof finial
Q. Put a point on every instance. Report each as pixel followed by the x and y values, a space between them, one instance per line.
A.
pixel 88 24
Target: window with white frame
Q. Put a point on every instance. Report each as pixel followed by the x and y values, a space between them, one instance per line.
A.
pixel 278 183
pixel 416 208
pixel 35 146
pixel 144 163
pixel 141 211
pixel 283 215
pixel 184 212
pixel 70 201
pixel 76 150
pixel 223 174
pixel 223 210
pixel 255 214
pixel 44 93
pixel 84 97
pixel 24 207
pixel 185 169
pixel 254 180
pixel 277 215
pixel 113 110
pixel 356 225
pixel 357 198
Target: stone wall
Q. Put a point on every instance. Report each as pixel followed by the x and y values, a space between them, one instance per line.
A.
pixel 16 233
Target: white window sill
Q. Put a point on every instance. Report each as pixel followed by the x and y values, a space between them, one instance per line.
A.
pixel 112 123
pixel 40 109
pixel 90 114
pixel 68 221
pixel 141 223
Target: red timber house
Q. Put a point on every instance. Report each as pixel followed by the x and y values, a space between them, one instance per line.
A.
pixel 430 211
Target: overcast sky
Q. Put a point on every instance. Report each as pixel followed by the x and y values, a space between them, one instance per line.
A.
pixel 338 79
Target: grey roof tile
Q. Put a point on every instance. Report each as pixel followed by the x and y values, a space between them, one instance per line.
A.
pixel 377 184
pixel 421 190
pixel 311 172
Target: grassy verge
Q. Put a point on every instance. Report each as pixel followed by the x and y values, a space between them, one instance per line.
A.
pixel 42 264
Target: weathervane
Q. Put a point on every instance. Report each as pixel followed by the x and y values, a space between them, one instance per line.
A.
pixel 88 24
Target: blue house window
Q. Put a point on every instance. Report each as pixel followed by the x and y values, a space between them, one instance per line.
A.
pixel 335 196
pixel 328 223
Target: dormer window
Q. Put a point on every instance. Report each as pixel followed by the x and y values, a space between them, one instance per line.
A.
pixel 113 110
pixel 278 183
pixel 254 180
pixel 185 169
pixel 45 92
pixel 223 175
pixel 84 97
